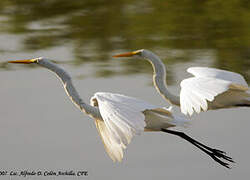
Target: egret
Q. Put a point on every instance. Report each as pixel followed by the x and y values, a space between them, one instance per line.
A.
pixel 210 88
pixel 118 118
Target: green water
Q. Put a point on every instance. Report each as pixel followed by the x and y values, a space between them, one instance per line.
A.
pixel 178 31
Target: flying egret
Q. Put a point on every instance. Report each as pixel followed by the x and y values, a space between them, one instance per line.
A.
pixel 118 118
pixel 210 88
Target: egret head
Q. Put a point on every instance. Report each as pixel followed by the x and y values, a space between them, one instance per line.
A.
pixel 27 61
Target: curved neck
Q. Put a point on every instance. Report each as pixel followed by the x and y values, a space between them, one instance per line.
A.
pixel 70 89
pixel 159 78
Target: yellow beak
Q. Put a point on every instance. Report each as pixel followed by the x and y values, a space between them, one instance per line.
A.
pixel 129 54
pixel 24 61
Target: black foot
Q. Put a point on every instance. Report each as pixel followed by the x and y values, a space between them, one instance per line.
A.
pixel 215 154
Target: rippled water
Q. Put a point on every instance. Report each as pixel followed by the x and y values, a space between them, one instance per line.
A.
pixel 41 129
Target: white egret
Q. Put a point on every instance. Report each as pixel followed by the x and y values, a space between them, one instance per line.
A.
pixel 118 118
pixel 210 88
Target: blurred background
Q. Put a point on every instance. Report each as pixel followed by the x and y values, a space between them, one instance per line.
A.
pixel 41 129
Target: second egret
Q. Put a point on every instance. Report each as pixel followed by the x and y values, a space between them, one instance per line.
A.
pixel 210 88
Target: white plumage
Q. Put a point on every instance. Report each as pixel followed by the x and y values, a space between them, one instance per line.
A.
pixel 218 74
pixel 212 88
pixel 123 117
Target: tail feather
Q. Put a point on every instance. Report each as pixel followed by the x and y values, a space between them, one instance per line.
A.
pixel 179 119
pixel 246 102
pixel 159 118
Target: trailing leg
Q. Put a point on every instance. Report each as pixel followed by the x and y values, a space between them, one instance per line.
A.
pixel 215 154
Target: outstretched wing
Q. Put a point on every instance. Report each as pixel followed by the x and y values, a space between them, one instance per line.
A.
pixel 205 86
pixel 122 119
pixel 114 150
pixel 218 74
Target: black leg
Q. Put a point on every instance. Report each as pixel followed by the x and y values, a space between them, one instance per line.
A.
pixel 213 153
pixel 243 105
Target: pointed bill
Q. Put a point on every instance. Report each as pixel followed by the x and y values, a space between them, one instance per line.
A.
pixel 128 54
pixel 24 61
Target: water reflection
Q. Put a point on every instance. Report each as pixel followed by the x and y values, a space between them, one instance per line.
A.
pixel 94 29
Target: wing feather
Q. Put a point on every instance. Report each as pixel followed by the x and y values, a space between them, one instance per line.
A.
pixel 205 86
pixel 113 149
pixel 196 91
pixel 218 74
pixel 122 118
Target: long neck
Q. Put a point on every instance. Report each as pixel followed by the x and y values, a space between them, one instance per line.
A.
pixel 70 89
pixel 159 78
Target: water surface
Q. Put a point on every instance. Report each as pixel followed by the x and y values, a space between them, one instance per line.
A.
pixel 41 129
